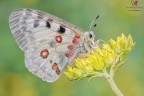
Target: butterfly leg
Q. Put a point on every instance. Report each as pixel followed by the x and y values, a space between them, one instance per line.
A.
pixel 98 44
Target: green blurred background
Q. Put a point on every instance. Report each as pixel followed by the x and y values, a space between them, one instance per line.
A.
pixel 115 19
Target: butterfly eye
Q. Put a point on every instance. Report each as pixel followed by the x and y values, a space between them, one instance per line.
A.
pixel 90 35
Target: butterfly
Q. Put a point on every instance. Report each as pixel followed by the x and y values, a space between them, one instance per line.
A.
pixel 49 43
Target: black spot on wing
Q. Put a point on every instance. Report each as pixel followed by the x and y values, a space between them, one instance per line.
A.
pixel 52 44
pixel 48 24
pixel 61 30
pixel 28 10
pixel 36 23
pixel 51 61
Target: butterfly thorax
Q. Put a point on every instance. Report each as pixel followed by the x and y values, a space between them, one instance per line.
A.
pixel 88 41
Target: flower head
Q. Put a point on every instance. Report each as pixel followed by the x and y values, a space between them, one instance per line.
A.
pixel 110 55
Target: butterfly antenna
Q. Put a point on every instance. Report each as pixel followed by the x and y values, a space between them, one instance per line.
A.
pixel 93 24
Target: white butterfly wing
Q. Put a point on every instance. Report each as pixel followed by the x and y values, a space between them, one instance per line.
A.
pixel 49 42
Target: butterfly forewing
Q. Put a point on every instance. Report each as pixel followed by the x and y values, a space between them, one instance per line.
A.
pixel 49 43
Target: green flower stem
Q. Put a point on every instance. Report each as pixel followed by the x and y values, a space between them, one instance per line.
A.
pixel 114 87
pixel 116 64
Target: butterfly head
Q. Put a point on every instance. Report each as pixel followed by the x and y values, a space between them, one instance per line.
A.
pixel 89 40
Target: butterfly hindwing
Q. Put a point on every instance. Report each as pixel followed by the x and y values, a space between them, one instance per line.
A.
pixel 49 43
pixel 48 69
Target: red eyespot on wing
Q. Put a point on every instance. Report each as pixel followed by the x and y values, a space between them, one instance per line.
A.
pixel 70 47
pixel 57 71
pixel 58 39
pixel 76 38
pixel 55 67
pixel 44 53
pixel 69 54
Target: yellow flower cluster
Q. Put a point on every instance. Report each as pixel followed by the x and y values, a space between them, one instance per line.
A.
pixel 110 54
